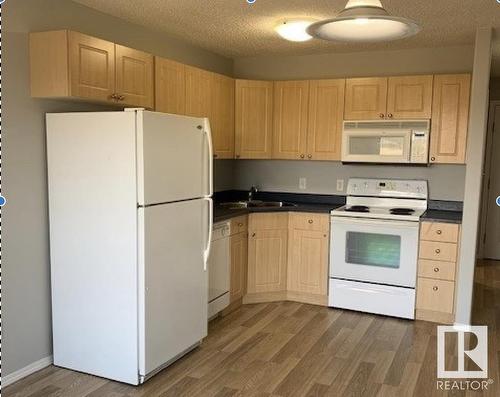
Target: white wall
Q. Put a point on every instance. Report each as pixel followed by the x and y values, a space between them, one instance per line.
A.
pixel 26 333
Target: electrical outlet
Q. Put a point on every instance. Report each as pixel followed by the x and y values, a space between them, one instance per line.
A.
pixel 302 183
pixel 340 185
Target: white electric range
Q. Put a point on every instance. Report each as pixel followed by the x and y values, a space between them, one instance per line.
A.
pixel 374 246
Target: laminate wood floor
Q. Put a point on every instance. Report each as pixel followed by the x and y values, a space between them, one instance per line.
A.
pixel 292 349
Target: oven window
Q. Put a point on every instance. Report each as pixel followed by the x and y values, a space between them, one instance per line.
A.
pixel 370 249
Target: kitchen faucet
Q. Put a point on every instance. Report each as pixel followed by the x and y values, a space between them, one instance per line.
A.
pixel 252 192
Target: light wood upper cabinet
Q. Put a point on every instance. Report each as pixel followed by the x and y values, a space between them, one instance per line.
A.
pixel 450 118
pixel 199 85
pixel 239 269
pixel 308 254
pixel 254 119
pixel 134 76
pixel 326 112
pixel 366 98
pixel 267 252
pixel 291 105
pixel 170 86
pixel 222 116
pixel 66 64
pixel 92 67
pixel 409 97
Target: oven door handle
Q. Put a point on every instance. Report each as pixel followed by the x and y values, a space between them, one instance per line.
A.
pixel 360 221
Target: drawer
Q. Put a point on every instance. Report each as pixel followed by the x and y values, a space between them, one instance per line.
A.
pixel 443 232
pixel 438 251
pixel 435 295
pixel 308 221
pixel 239 225
pixel 437 269
pixel 268 221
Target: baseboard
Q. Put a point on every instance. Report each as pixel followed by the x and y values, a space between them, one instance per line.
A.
pixel 28 370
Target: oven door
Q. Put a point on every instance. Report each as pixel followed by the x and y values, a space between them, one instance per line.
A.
pixel 369 146
pixel 374 250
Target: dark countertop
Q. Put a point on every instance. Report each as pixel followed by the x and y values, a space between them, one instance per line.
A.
pixel 442 216
pixel 444 211
pixel 316 203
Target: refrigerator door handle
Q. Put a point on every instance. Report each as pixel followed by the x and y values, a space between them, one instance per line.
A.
pixel 206 252
pixel 208 132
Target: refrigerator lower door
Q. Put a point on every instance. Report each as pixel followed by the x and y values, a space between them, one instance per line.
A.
pixel 173 284
pixel 173 158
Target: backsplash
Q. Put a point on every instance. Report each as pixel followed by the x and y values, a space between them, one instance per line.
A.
pixel 446 182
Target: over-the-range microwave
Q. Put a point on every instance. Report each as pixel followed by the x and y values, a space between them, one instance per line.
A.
pixel 394 141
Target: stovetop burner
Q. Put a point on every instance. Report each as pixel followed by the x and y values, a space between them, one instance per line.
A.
pixel 402 211
pixel 358 208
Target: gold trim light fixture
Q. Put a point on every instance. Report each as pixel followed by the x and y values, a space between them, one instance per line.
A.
pixel 364 21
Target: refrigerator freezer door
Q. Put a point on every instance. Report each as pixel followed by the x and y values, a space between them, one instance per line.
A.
pixel 173 286
pixel 173 158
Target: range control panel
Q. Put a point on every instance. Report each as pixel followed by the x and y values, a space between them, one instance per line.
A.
pixel 387 188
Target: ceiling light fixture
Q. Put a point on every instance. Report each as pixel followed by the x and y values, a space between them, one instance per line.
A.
pixel 364 21
pixel 294 29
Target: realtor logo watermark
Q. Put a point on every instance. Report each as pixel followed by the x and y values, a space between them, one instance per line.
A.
pixel 477 354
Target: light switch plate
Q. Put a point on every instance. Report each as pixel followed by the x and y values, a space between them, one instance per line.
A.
pixel 302 183
pixel 340 185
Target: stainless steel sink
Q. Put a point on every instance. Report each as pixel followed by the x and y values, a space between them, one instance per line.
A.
pixel 257 204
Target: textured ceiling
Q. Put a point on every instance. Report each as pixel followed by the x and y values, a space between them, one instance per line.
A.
pixel 235 28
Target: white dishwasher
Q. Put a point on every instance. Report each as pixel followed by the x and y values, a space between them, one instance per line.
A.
pixel 219 264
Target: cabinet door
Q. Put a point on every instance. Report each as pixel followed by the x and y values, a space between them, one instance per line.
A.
pixel 326 114
pixel 450 118
pixel 409 97
pixel 239 259
pixel 308 262
pixel 291 105
pixel 170 82
pixel 198 92
pixel 267 260
pixel 254 119
pixel 222 116
pixel 134 77
pixel 366 98
pixel 92 67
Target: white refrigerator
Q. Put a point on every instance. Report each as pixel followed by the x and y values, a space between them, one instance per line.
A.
pixel 130 213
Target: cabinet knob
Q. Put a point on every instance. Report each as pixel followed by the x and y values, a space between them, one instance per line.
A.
pixel 215 156
pixel 240 224
pixel 113 96
pixel 311 221
pixel 309 156
pixel 389 115
pixel 237 156
pixel 433 159
pixel 435 288
pixel 438 251
pixel 439 232
pixel 302 156
pixel 253 234
pixel 436 269
pixel 381 115
pixel 120 97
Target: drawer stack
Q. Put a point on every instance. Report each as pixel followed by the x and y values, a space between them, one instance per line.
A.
pixel 437 268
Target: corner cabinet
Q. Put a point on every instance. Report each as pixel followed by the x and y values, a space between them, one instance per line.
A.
pixel 66 64
pixel 267 256
pixel 288 257
pixel 450 118
pixel 253 119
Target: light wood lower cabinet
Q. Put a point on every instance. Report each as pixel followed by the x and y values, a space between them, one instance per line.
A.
pixel 437 269
pixel 288 258
pixel 239 269
pixel 308 258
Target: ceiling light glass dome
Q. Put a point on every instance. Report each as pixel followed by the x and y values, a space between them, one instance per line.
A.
pixel 364 21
